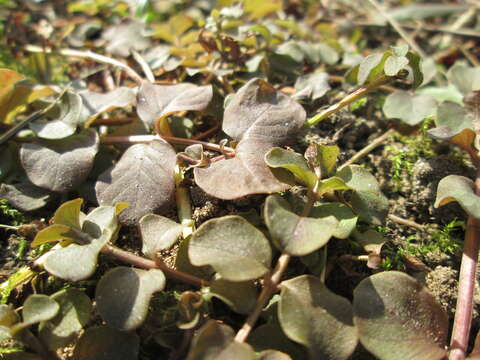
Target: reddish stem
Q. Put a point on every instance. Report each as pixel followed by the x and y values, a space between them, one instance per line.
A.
pixel 143 263
pixel 466 286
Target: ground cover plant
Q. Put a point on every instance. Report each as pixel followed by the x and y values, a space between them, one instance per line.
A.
pixel 239 180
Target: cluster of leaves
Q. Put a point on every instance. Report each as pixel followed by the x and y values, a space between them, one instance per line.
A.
pixel 235 59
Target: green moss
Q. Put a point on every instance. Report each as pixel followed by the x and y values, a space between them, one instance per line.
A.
pixel 11 215
pixel 404 159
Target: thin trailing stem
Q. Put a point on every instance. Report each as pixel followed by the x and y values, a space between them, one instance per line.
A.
pixel 466 286
pixel 171 139
pixel 35 116
pixel 89 55
pixel 271 282
pixel 143 263
pixel 367 149
pixel 273 278
pixel 357 94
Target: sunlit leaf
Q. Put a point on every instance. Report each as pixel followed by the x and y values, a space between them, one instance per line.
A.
pixel 410 108
pixel 259 117
pixel 215 341
pixel 123 295
pixel 62 120
pixel 143 177
pixel 292 161
pixel 397 318
pixel 260 8
pixel 68 213
pixel 60 165
pixel 315 317
pixel 293 234
pixel 173 28
pixel 76 262
pixel 232 246
pixel 322 158
pixel 95 103
pixel 461 189
pixel 74 314
pixel 52 233
pixel 158 233
pixel 157 101
pixel 105 343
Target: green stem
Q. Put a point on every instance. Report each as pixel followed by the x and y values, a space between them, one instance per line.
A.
pixel 357 94
pixel 184 207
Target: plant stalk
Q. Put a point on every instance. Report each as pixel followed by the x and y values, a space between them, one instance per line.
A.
pixel 148 264
pixel 133 139
pixel 466 286
pixel 273 278
pixel 357 94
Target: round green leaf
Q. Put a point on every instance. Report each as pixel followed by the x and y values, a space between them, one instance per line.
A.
pixel 215 341
pixel 394 64
pixel 292 161
pixel 233 247
pixel 36 308
pixel 397 318
pixel 64 120
pixel 464 77
pixel 158 233
pixel 74 314
pixel 408 107
pixel 76 262
pixel 312 315
pixel 123 295
pixel 104 343
pixel 347 220
pixel 358 178
pixel 461 189
pixel 293 234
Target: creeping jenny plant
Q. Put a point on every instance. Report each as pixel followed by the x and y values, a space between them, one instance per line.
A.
pixel 128 269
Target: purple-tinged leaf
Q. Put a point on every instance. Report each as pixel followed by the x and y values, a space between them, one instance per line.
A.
pixel 143 177
pixel 232 246
pixel 95 103
pixel 123 38
pixel 123 295
pixel 60 165
pixel 157 101
pixel 315 317
pixel 245 174
pixel 293 234
pixel 397 318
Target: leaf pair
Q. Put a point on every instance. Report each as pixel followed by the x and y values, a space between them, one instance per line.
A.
pixel 393 316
